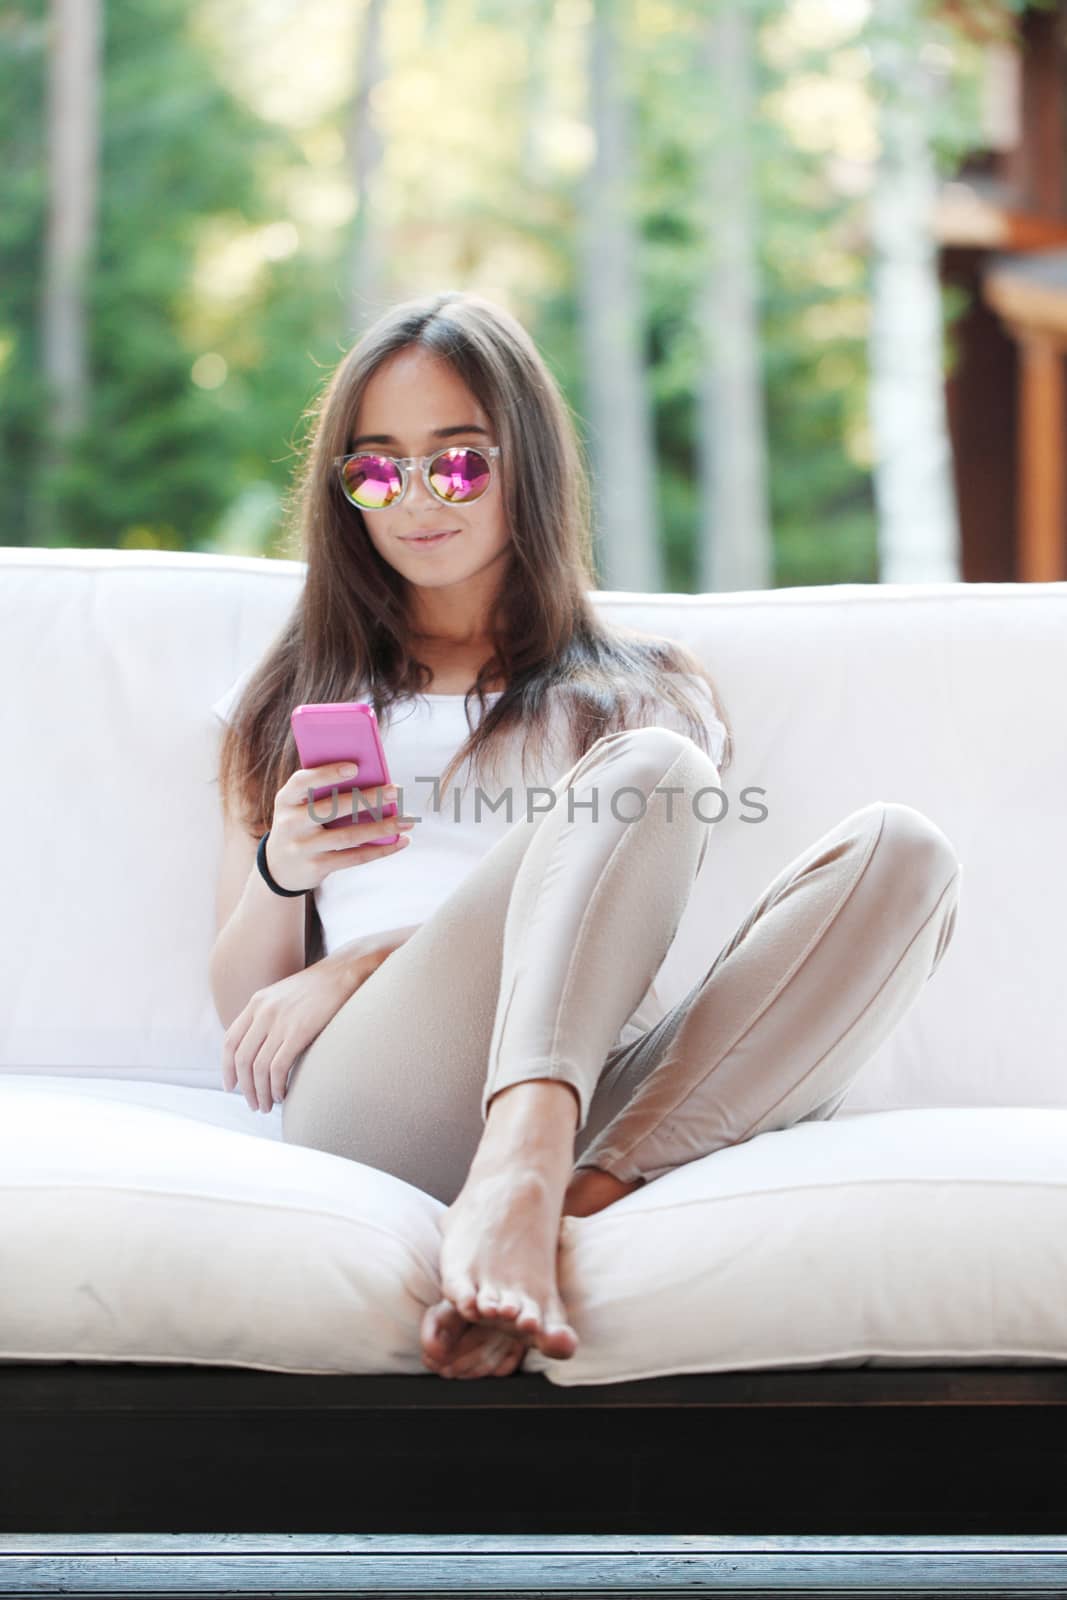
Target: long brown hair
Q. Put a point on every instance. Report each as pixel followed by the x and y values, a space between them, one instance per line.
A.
pixel 348 636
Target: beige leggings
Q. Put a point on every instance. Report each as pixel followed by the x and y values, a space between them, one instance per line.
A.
pixel 530 968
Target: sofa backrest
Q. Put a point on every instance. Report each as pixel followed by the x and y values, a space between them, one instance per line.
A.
pixel 942 696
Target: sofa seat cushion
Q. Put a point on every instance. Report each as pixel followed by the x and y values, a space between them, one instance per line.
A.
pixel 161 1223
pixel 921 1237
pixel 182 1231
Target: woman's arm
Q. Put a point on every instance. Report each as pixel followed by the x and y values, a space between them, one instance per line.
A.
pixel 360 956
pixel 260 937
pixel 279 1021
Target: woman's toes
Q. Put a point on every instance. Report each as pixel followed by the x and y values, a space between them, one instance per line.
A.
pixel 464 1297
pixel 510 1360
pixel 558 1339
pixel 442 1325
pixel 478 1354
pixel 500 1305
pixel 548 1329
pixel 508 1308
pixel 560 1342
pixel 528 1320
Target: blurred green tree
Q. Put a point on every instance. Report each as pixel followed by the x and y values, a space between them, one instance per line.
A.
pixel 215 307
pixel 185 409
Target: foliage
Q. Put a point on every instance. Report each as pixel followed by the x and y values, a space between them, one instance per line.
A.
pixel 216 306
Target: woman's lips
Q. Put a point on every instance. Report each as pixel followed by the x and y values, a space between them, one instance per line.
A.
pixel 432 543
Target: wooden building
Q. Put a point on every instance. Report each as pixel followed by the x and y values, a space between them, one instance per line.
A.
pixel 1002 230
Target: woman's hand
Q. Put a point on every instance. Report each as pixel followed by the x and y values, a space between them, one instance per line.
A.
pixel 302 851
pixel 279 1022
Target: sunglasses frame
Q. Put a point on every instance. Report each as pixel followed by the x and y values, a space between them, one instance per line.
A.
pixel 407 464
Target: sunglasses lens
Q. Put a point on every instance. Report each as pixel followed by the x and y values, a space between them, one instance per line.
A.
pixel 372 482
pixel 461 474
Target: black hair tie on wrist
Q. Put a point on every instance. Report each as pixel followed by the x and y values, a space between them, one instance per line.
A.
pixel 264 870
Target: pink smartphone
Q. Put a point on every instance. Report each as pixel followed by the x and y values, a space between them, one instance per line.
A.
pixel 344 730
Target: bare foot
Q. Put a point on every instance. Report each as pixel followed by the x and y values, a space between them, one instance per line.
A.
pixel 500 1239
pixel 455 1347
pixel 500 1236
pixel 591 1190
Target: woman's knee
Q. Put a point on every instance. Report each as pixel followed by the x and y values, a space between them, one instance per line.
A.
pixel 650 752
pixel 918 845
pixel 302 1121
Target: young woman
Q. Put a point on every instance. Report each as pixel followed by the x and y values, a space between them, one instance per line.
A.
pixel 483 1022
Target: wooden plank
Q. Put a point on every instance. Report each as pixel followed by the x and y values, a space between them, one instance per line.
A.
pixel 972 213
pixel 1042 534
pixel 487 1565
pixel 981 393
pixel 1029 291
pixel 523 1544
pixel 1043 102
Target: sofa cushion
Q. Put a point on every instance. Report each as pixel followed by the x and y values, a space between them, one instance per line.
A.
pixel 934 694
pixel 930 1237
pixel 173 1233
pixel 113 838
pixel 184 1231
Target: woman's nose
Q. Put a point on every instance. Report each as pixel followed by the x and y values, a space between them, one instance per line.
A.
pixel 419 494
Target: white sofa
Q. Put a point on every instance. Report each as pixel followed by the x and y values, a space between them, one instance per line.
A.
pixel 148 1217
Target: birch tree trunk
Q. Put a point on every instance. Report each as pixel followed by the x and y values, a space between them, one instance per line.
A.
pixel 735 547
pixel 73 137
pixel 366 266
pixel 533 166
pixel 914 491
pixel 618 407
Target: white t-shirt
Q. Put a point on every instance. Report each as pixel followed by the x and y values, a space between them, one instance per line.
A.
pixel 456 826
